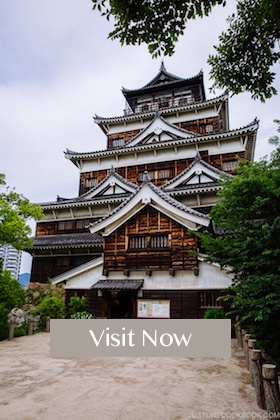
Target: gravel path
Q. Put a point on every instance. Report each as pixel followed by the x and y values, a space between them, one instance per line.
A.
pixel 35 386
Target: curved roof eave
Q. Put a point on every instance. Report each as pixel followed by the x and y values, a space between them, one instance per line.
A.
pixel 174 80
pixel 98 119
pixel 253 126
pixel 100 224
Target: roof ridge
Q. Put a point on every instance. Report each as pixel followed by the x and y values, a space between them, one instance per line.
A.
pixel 197 159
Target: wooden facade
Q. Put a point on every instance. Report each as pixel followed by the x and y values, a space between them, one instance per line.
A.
pixel 162 172
pixel 150 241
pixel 186 304
pixel 64 226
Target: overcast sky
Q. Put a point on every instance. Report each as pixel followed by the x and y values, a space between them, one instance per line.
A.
pixel 58 70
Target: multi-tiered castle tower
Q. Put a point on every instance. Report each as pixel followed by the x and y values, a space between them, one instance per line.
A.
pixel 128 241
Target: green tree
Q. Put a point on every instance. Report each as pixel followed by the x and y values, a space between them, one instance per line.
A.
pixel 246 52
pixel 11 295
pixel 15 211
pixel 248 214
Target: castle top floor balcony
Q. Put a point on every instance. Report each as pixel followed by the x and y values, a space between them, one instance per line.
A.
pixel 160 104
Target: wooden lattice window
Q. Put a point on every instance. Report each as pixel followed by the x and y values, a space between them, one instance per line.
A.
pixel 208 299
pixel 230 165
pixel 165 173
pixel 152 175
pixel 118 142
pixel 90 182
pixel 65 225
pixel 81 224
pixel 149 242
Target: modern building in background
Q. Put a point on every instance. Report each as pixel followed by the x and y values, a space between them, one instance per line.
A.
pixel 11 258
pixel 129 240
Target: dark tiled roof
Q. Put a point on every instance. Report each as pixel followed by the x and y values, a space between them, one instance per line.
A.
pixel 199 159
pixel 118 284
pixel 194 187
pixel 160 193
pixel 174 202
pixel 84 200
pixel 71 239
pixel 158 115
pixel 168 80
pixel 195 139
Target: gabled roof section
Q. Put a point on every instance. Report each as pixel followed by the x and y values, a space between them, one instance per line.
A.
pixel 198 174
pixel 250 129
pixel 114 184
pixel 112 187
pixel 149 195
pixel 160 130
pixel 164 78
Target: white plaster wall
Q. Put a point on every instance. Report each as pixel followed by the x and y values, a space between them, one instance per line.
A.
pixel 85 279
pixel 180 152
pixel 210 277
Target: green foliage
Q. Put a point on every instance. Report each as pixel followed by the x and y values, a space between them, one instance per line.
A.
pixel 51 306
pixel 246 52
pixel 22 330
pixel 81 315
pixel 76 304
pixel 11 292
pixel 11 295
pixel 249 214
pixel 214 314
pixel 4 325
pixel 157 24
pixel 15 211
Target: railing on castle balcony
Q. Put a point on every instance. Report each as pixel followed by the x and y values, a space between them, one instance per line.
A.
pixel 162 104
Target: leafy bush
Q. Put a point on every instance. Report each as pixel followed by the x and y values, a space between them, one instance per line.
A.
pixel 214 314
pixel 77 304
pixel 4 325
pixel 81 315
pixel 11 295
pixel 22 330
pixel 50 306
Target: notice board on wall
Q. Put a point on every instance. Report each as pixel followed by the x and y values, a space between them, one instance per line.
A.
pixel 153 308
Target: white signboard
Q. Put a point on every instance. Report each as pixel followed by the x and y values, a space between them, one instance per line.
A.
pixel 153 308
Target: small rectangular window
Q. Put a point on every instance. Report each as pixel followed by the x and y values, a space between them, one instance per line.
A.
pixel 81 224
pixel 152 175
pixel 149 242
pixel 65 225
pixel 137 242
pixel 90 182
pixel 165 173
pixel 209 128
pixel 118 142
pixel 230 165
pixel 208 299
